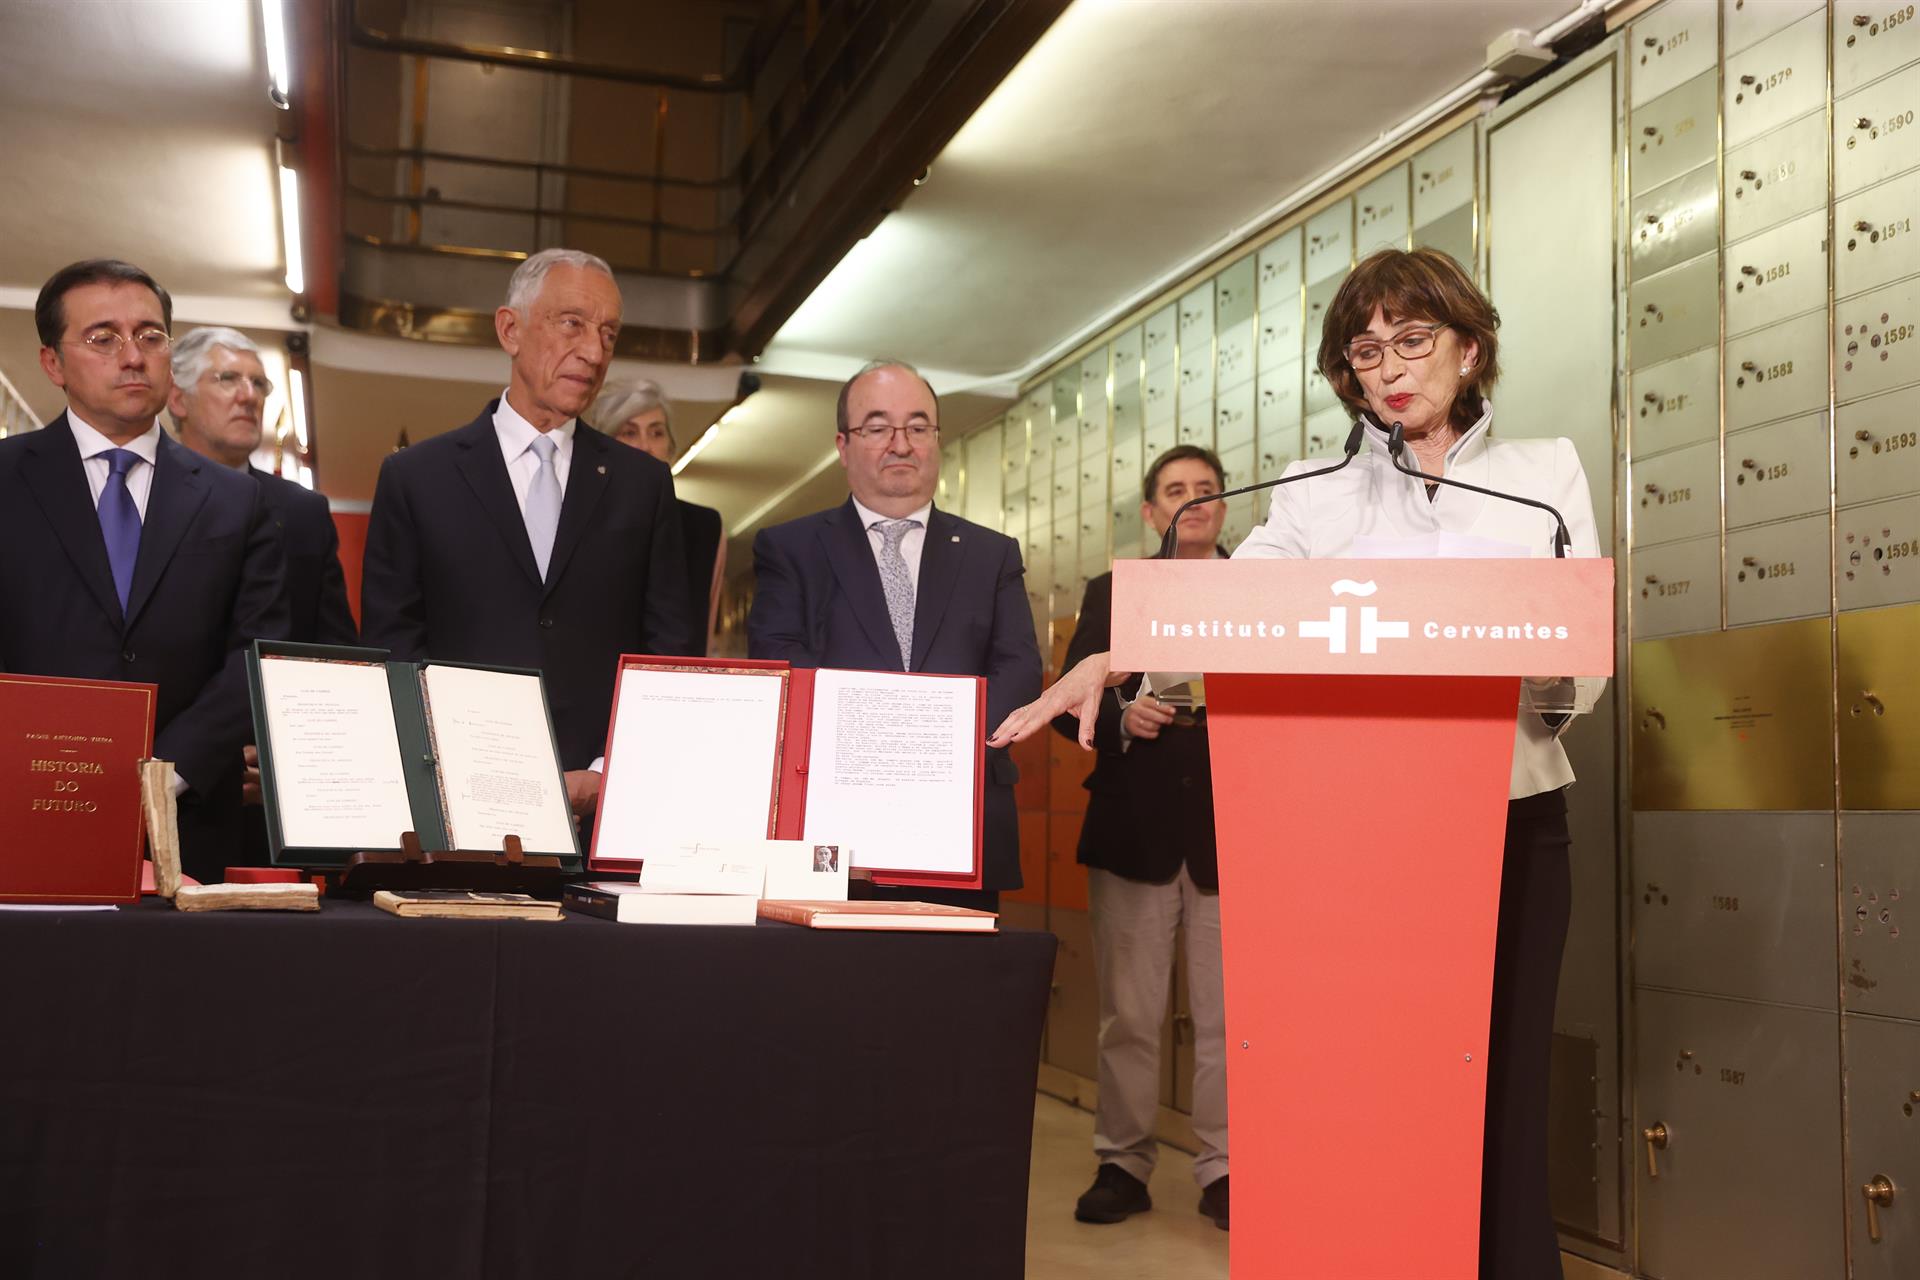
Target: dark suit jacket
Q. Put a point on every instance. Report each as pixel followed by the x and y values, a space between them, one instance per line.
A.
pixel 700 532
pixel 818 602
pixel 1150 807
pixel 316 586
pixel 209 579
pixel 449 571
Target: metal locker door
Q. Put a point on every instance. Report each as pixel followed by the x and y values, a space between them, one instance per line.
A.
pixel 1880 910
pixel 1159 438
pixel 1776 177
pixel 1129 409
pixel 1382 212
pixel 1777 471
pixel 1094 558
pixel 1879 692
pixel 1875 229
pixel 1777 372
pixel 1237 462
pixel 1674 134
pixel 1883 1147
pixel 1676 495
pixel 1877 449
pixel 1129 539
pixel 1196 326
pixel 1327 430
pixel 1451 235
pixel 1281 327
pixel 1066 413
pixel 1236 356
pixel 1673 42
pixel 1739 1129
pixel 1777 80
pixel 1196 420
pixel 1779 571
pixel 1278 407
pixel 1127 348
pixel 1675 221
pixel 1675 403
pixel 1675 589
pixel 1128 464
pixel 1869 40
pixel 1093 391
pixel 1877 341
pixel 1160 338
pixel 1777 274
pixel 1319 297
pixel 1039 503
pixel 1073 1016
pixel 1443 179
pixel 1233 295
pixel 1735 904
pixel 1748 22
pixel 1280 272
pixel 1874 133
pixel 1040 441
pixel 1093 479
pixel 1877 554
pixel 1064 555
pixel 1158 390
pixel 1233 422
pixel 1674 312
pixel 1330 242
pixel 1319 395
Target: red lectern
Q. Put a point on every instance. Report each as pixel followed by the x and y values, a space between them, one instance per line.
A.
pixel 1361 720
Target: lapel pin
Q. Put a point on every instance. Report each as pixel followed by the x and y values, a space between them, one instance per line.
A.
pixel 602 468
pixel 956 537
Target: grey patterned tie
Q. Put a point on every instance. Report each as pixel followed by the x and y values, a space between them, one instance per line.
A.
pixel 898 584
pixel 543 503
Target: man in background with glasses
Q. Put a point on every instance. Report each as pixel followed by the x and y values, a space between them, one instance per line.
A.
pixel 131 558
pixel 885 582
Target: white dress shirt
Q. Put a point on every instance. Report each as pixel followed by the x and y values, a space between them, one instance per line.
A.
pixel 910 545
pixel 1320 520
pixel 516 436
pixel 93 459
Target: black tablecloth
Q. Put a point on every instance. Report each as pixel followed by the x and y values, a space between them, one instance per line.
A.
pixel 348 1094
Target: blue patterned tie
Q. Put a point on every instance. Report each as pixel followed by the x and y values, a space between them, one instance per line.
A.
pixel 120 521
pixel 543 503
pixel 898 584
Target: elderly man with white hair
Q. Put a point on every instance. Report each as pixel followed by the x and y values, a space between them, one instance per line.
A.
pixel 220 391
pixel 526 538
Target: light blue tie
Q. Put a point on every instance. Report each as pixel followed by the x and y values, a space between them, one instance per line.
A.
pixel 543 503
pixel 120 521
pixel 898 584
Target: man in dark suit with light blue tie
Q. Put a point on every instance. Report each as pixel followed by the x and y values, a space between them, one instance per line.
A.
pixel 526 538
pixel 128 557
pixel 885 582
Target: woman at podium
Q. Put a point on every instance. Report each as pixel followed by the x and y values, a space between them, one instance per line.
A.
pixel 1410 344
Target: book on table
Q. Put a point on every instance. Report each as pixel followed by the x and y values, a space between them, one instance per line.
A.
pixel 921 917
pixel 357 751
pixel 888 766
pixel 464 904
pixel 628 903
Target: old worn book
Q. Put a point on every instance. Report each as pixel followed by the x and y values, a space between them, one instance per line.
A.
pixel 461 904
pixel 926 917
pixel 247 897
pixel 630 904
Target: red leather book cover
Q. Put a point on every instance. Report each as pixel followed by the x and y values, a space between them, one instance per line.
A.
pixel 70 788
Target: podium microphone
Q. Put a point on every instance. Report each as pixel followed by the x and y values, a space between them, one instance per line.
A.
pixel 1171 537
pixel 1397 446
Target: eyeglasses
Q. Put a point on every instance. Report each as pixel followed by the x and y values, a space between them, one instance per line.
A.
pixel 106 342
pixel 229 380
pixel 915 432
pixel 1415 344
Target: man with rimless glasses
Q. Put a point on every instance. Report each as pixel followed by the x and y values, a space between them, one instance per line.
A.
pixel 885 582
pixel 132 558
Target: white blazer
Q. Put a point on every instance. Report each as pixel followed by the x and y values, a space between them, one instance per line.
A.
pixel 1319 520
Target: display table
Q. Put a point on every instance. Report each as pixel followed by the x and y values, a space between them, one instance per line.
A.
pixel 351 1094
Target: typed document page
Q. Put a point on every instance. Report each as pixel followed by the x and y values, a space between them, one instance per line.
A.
pixel 891 774
pixel 499 769
pixel 337 778
pixel 691 761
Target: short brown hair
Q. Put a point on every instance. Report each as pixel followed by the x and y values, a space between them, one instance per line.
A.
pixel 1180 453
pixel 1425 284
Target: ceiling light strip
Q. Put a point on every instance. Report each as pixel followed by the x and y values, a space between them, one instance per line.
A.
pixel 694 449
pixel 759 513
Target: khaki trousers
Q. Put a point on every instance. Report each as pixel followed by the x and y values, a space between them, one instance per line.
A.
pixel 1133 948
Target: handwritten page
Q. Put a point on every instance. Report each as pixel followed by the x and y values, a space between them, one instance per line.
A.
pixel 499 771
pixel 338 783
pixel 691 761
pixel 892 767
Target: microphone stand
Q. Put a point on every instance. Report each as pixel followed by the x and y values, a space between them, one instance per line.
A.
pixel 1397 446
pixel 1170 539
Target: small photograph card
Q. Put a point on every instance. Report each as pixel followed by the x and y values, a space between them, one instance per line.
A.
pixel 807 870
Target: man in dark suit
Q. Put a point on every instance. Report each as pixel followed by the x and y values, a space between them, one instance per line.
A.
pixel 884 582
pixel 131 558
pixel 526 538
pixel 1148 843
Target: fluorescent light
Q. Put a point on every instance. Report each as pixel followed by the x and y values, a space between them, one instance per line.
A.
pixel 297 401
pixel 693 450
pixel 290 229
pixel 273 25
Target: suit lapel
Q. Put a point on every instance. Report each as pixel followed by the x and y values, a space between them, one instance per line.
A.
pixel 174 500
pixel 850 555
pixel 58 479
pixel 586 482
pixel 940 556
pixel 485 472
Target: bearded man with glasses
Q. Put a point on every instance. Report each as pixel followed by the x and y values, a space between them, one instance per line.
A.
pixel 132 558
pixel 886 582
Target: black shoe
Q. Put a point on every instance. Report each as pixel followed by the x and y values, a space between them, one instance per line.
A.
pixel 1114 1196
pixel 1213 1201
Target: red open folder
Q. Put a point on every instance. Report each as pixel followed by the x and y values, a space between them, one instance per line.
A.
pixel 786 789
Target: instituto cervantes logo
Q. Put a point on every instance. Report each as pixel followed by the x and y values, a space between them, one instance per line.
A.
pixel 1338 629
pixel 1334 629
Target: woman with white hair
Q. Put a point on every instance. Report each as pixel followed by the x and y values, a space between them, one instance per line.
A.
pixel 638 413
